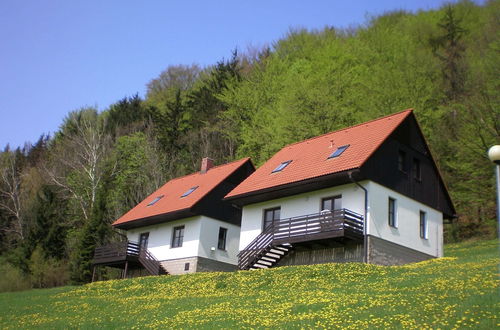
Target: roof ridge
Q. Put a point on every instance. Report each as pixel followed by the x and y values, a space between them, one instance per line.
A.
pixel 198 172
pixel 409 110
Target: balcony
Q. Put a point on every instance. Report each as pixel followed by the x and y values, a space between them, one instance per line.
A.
pixel 276 240
pixel 126 255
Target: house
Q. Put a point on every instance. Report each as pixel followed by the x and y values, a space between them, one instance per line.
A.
pixel 185 226
pixel 370 192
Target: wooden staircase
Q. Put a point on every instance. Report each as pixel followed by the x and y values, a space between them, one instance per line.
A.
pixel 271 256
pixel 277 240
pixel 152 265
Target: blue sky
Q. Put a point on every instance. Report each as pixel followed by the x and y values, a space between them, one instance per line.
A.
pixel 58 55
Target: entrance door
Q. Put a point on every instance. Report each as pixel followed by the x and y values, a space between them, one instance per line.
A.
pixel 143 240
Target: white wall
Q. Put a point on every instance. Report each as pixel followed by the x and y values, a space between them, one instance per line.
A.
pixel 353 198
pixel 160 238
pixel 407 232
pixel 201 233
pixel 210 236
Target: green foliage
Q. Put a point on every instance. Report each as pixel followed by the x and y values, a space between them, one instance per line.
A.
pixel 137 172
pixel 47 272
pixel 125 116
pixel 48 231
pixel 458 291
pixel 12 279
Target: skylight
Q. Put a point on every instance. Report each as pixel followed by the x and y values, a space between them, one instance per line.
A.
pixel 187 193
pixel 281 166
pixel 339 151
pixel 155 200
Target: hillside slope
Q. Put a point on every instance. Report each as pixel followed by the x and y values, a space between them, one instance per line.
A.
pixel 460 290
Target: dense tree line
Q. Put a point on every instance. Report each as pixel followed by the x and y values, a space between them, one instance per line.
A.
pixel 59 195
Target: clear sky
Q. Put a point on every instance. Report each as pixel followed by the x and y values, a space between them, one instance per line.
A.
pixel 60 55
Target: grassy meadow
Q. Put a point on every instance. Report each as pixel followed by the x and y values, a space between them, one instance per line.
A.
pixel 458 291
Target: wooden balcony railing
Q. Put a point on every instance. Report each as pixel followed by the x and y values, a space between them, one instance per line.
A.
pixel 127 251
pixel 337 223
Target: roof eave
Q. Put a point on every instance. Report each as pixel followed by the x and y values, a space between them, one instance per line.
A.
pixel 156 219
pixel 292 188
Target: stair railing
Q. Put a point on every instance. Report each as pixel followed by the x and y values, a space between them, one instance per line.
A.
pixel 149 262
pixel 256 247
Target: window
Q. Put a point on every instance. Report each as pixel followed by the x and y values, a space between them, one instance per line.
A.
pixel 271 215
pixel 281 166
pixel 402 161
pixel 143 240
pixel 187 193
pixel 339 151
pixel 178 236
pixel 423 225
pixel 416 169
pixel 392 213
pixel 186 266
pixel 331 203
pixel 155 200
pixel 221 243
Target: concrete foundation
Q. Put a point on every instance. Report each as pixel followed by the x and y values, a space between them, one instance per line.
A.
pixel 196 264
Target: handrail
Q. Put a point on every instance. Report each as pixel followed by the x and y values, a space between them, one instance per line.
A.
pixel 301 226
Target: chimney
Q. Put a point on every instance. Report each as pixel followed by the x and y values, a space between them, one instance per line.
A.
pixel 206 164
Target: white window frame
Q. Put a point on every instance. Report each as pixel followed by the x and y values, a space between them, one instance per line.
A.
pixel 426 225
pixel 395 222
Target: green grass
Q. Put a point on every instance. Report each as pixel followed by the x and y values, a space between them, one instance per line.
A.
pixel 461 290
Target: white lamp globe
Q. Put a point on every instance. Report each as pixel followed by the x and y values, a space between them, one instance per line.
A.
pixel 494 154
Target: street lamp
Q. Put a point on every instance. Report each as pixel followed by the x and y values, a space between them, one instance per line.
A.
pixel 494 154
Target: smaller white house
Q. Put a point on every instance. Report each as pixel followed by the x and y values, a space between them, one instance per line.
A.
pixel 371 193
pixel 183 227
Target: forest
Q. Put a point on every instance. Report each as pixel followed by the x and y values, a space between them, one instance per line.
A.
pixel 59 195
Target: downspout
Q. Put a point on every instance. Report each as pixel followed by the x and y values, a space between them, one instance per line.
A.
pixel 365 238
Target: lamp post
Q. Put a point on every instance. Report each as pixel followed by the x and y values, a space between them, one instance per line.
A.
pixel 494 155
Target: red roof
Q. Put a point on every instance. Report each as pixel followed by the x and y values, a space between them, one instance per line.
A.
pixel 175 188
pixel 309 158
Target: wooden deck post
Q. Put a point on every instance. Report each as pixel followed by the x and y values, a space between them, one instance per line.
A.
pixel 93 273
pixel 125 270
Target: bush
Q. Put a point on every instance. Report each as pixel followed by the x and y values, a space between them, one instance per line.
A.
pixel 47 273
pixel 12 278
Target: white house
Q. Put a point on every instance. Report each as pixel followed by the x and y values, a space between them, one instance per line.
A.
pixel 371 192
pixel 185 226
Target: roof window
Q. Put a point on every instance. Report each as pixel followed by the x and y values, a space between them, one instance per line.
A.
pixel 339 151
pixel 281 166
pixel 153 202
pixel 187 193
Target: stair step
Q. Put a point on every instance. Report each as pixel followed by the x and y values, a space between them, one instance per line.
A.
pixel 259 266
pixel 265 263
pixel 273 255
pixel 284 249
pixel 268 259
pixel 275 251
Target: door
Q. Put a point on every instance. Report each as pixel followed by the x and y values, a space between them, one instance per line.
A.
pixel 329 219
pixel 331 203
pixel 143 240
pixel 270 216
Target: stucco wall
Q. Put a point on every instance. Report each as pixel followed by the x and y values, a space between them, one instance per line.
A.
pixel 160 238
pixel 209 236
pixel 200 235
pixel 407 232
pixel 301 204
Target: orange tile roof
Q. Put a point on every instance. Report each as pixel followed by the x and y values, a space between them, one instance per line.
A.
pixel 309 157
pixel 175 188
